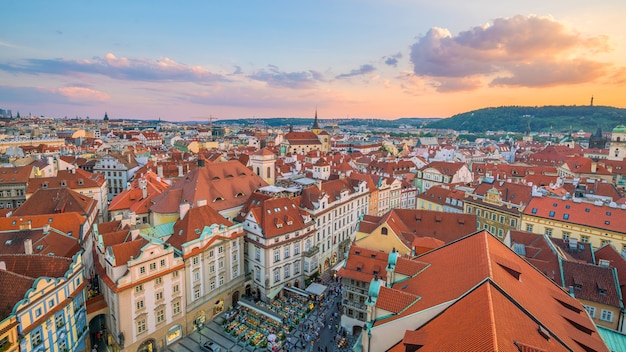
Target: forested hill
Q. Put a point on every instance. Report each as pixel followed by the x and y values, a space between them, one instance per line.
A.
pixel 540 119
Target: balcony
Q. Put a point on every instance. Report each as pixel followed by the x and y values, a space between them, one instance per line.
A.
pixel 311 252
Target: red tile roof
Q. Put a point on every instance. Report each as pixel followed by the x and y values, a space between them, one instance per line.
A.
pixel 191 226
pixel 581 213
pixel 458 268
pixel 224 185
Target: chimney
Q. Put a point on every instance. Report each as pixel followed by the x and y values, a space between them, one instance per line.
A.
pixel 183 209
pixel 160 170
pixel 201 202
pixel 3 266
pixel 180 170
pixel 594 167
pixel 28 246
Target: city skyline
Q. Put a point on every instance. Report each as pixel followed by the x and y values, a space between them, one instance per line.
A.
pixel 190 60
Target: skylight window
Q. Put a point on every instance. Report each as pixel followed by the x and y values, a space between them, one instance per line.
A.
pixel 534 211
pixel 552 214
pixel 565 216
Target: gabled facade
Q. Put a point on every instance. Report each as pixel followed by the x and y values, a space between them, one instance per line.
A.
pixel 142 281
pixel 336 206
pixel 46 295
pixel 498 206
pixel 279 244
pixel 440 173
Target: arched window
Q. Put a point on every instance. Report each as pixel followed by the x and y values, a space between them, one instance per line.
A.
pixel 269 174
pixel 258 171
pixel 384 231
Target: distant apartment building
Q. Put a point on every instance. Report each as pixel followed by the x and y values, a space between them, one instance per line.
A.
pixel 594 223
pixel 498 206
pixel 118 168
pixel 13 184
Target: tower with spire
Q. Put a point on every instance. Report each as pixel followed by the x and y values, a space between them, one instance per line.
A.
pixel 316 127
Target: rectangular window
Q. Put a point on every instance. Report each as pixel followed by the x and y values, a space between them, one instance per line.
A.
pixel 276 255
pixel 549 231
pixel 212 285
pixel 211 253
pixel 175 307
pixel 160 316
pixel 513 223
pixel 196 293
pixel 220 249
pixel 139 304
pixel 566 236
pixel 221 280
pixel 138 288
pixel 277 276
pixel 35 338
pixel 212 269
pixel 196 276
pixel 175 273
pixel 162 262
pixel 141 326
pixel 158 281
pixel 529 228
pixel 287 250
pixel 220 264
pixel 159 296
pixel 58 321
pixel 287 274
pixel 584 239
pixel 142 270
pixel 296 267
pixel 257 253
pixel 591 310
pixel 152 266
pixel 195 260
pixel 296 248
pixel 606 315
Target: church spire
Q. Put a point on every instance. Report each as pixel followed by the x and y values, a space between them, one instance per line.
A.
pixel 316 126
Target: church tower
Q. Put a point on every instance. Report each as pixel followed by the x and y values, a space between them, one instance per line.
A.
pixel 263 163
pixel 316 127
pixel 617 149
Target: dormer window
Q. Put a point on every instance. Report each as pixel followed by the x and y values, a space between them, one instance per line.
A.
pixel 63 183
pixel 218 199
pixel 44 185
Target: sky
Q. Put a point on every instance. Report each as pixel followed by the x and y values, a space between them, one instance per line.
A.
pixel 192 60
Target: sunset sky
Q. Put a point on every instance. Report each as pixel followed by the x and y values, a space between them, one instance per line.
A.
pixel 187 60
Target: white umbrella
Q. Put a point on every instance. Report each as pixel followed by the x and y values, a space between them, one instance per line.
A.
pixel 271 338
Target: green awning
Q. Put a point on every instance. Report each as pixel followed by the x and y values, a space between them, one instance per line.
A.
pixel 274 292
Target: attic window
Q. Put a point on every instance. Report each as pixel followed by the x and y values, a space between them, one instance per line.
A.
pixel 8 242
pixel 39 247
pixel 551 214
pixel 80 182
pixel 49 219
pixel 63 183
pixel 567 206
pixel 565 216
pixel 218 199
pixel 215 178
pixel 357 252
pixel 587 210
pixel 44 185
pixel 608 213
pixel 534 211
pixel 240 194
